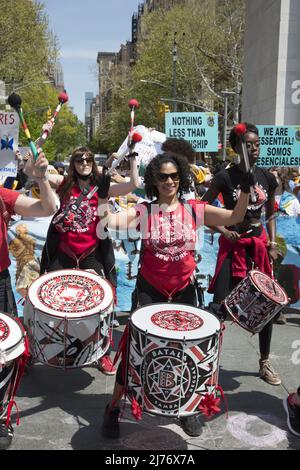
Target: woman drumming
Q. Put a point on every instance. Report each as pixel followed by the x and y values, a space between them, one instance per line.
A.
pixel 244 244
pixel 168 230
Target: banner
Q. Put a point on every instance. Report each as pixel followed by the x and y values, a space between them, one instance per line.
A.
pixel 200 129
pixel 27 238
pixel 279 146
pixel 9 135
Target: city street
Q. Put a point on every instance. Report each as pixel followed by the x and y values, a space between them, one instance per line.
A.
pixel 63 410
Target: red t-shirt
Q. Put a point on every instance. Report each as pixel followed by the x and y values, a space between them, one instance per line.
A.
pixel 169 242
pixel 9 198
pixel 79 232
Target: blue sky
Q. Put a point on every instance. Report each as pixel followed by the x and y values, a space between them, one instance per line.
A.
pixel 83 28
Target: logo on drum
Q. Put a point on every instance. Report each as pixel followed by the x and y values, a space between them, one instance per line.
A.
pixel 177 320
pixel 71 293
pixel 4 330
pixel 171 378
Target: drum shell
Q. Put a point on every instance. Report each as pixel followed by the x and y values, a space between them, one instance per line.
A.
pixel 258 308
pixel 10 351
pixel 170 377
pixel 67 342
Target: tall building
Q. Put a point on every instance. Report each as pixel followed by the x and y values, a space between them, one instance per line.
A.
pixel 89 96
pixel 106 61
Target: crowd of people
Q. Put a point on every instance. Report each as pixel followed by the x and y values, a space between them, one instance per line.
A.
pixel 187 194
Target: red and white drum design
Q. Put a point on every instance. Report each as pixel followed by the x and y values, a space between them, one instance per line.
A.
pixel 173 358
pixel 12 346
pixel 68 313
pixel 255 301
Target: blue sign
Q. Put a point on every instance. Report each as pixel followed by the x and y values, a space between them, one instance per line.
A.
pixel 279 146
pixel 200 129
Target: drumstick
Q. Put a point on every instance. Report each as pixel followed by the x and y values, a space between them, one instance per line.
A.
pixel 133 137
pixel 15 102
pixel 62 98
pixel 240 130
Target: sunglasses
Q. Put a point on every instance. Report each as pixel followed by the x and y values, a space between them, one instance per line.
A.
pixel 165 176
pixel 80 160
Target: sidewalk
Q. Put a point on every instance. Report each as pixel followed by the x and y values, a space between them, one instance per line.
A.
pixel 63 410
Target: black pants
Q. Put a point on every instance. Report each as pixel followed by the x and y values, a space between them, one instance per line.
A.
pixel 63 261
pixel 7 298
pixel 223 286
pixel 145 294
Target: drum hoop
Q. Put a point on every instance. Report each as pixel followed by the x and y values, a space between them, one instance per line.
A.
pixel 165 338
pixel 82 317
pixel 21 340
pixel 263 293
pixel 63 270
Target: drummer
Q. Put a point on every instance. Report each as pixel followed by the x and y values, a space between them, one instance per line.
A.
pixel 72 240
pixel 246 243
pixel 168 229
pixel 12 202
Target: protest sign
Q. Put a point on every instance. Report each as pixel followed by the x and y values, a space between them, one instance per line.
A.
pixel 279 146
pixel 200 129
pixel 9 135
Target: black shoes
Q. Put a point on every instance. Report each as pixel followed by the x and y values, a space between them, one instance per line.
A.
pixel 192 425
pixel 293 416
pixel 110 425
pixel 6 435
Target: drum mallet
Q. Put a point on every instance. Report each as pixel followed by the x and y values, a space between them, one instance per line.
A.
pixel 62 98
pixel 15 102
pixel 240 130
pixel 133 137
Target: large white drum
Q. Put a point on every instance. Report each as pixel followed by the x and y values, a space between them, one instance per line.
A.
pixel 255 301
pixel 68 315
pixel 12 347
pixel 173 358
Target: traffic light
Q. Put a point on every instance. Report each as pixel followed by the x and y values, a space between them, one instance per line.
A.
pixel 49 114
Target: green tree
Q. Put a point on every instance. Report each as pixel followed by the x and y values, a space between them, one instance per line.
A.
pixel 27 48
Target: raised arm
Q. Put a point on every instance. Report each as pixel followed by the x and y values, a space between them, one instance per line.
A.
pixel 121 189
pixel 46 205
pixel 215 216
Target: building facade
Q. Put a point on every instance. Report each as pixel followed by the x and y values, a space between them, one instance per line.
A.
pixel 272 62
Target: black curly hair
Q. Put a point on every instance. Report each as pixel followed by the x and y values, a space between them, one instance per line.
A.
pixel 154 168
pixel 179 146
pixel 234 138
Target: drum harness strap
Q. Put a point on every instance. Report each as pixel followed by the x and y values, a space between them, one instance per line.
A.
pixel 199 295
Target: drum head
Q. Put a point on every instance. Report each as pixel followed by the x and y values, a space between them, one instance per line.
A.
pixel 175 321
pixel 269 287
pixel 11 337
pixel 71 291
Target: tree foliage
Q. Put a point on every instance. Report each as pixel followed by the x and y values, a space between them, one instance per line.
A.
pixel 28 52
pixel 209 37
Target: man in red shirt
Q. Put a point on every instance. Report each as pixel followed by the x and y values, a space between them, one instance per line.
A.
pixel 12 202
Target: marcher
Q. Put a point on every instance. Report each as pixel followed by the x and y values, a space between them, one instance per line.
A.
pixel 12 202
pixel 245 243
pixel 167 264
pixel 72 240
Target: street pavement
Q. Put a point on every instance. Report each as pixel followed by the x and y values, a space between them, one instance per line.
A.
pixel 62 410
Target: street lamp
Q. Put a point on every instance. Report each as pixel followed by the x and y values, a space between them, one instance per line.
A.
pixel 26 85
pixel 225 93
pixel 174 53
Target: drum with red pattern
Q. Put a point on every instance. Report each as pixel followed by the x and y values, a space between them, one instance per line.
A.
pixel 173 358
pixel 68 314
pixel 255 301
pixel 12 346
